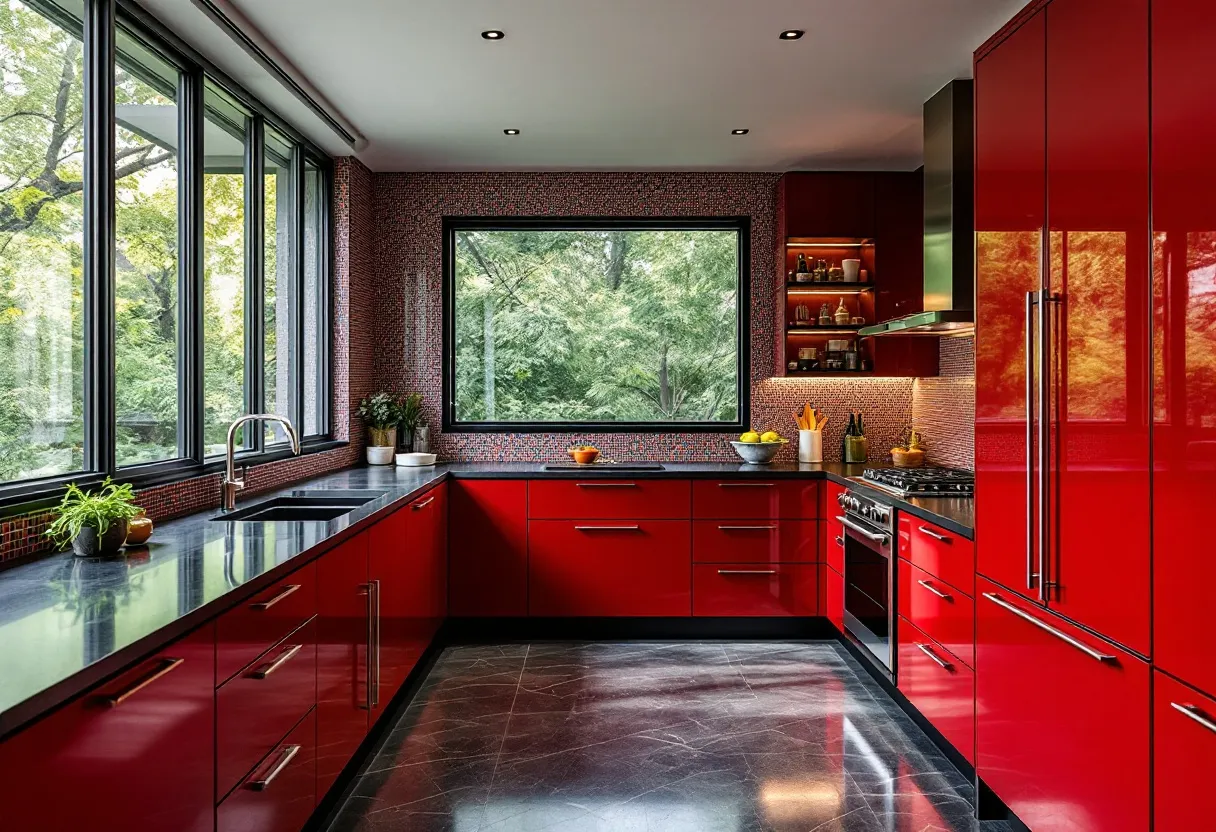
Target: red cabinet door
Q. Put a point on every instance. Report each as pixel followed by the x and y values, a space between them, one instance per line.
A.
pixel 610 568
pixel 1097 211
pixel 740 589
pixel 835 597
pixel 1184 431
pixel 397 552
pixel 1184 754
pixel 280 793
pixel 488 534
pixel 755 499
pixel 343 646
pixel 1062 719
pixel 940 686
pixel 1010 114
pixel 750 541
pixel 137 753
pixel 605 499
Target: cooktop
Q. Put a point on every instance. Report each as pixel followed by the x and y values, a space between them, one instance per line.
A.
pixel 922 482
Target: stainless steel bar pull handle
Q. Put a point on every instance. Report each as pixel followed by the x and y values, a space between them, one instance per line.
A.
pixel 1031 301
pixel 282 659
pixel 166 666
pixel 422 503
pixel 926 530
pixel 1047 628
pixel 928 651
pixel 864 532
pixel 265 605
pixel 375 664
pixel 607 528
pixel 746 528
pixel 935 590
pixel 745 485
pixel 286 756
pixel 368 680
pixel 840 541
pixel 747 571
pixel 1194 713
pixel 606 484
pixel 1045 301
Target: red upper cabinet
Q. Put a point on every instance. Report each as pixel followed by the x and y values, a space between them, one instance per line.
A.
pixel 488 536
pixel 1062 719
pixel 1010 197
pixel 137 753
pixel 838 204
pixel 344 642
pixel 1097 211
pixel 1184 248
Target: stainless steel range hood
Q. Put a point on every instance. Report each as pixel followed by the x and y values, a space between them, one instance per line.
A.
pixel 949 220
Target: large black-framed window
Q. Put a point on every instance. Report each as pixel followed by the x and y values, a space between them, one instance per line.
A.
pixel 594 324
pixel 164 256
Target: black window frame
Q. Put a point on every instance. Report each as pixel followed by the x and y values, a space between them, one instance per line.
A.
pixel 739 224
pixel 100 24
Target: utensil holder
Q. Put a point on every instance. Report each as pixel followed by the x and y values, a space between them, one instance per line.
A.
pixel 810 446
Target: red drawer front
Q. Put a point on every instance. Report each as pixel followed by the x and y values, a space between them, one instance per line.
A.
pixel 834 546
pixel 940 610
pixel 1063 735
pixel 1184 754
pixel 257 707
pixel 755 499
pixel 775 541
pixel 835 597
pixel 246 632
pixel 942 554
pixel 755 589
pixel 596 499
pixel 594 567
pixel 280 793
pixel 940 686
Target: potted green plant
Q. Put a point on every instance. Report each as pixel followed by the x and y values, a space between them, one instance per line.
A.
pixel 381 414
pixel 95 524
pixel 411 417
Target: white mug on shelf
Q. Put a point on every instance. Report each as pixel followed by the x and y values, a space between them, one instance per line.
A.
pixel 852 269
pixel 810 446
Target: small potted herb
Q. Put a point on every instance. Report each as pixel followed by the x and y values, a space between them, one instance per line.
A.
pixel 95 524
pixel 381 414
pixel 411 418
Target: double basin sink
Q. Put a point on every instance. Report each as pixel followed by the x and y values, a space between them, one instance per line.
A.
pixel 301 506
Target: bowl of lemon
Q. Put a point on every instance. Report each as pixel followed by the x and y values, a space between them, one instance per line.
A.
pixel 759 448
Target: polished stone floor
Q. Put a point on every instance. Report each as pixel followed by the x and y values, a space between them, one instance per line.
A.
pixel 656 737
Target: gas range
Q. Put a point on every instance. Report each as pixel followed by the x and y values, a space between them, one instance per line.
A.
pixel 921 482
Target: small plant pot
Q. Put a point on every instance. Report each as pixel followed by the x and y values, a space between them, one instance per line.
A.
pixel 88 544
pixel 380 454
pixel 382 437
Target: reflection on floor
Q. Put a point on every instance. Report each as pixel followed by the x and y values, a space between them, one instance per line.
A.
pixel 678 737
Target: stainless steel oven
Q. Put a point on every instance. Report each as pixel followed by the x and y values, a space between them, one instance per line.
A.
pixel 869 574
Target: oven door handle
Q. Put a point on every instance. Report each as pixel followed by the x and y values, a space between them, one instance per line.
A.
pixel 880 539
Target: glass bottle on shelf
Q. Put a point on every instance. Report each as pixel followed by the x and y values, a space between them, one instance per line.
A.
pixel 802 268
pixel 821 272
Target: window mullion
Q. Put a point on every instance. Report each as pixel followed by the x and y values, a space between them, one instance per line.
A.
pixel 255 283
pixel 99 235
pixel 295 350
pixel 190 264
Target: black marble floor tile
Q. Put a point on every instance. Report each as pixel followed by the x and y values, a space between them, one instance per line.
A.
pixel 704 736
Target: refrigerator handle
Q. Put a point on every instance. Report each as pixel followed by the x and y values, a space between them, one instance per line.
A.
pixel 1031 303
pixel 1046 301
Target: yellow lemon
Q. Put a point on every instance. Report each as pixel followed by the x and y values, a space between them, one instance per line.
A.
pixel 751 437
pixel 770 436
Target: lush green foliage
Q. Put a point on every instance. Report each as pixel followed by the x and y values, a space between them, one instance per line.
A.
pixel 381 411
pixel 609 325
pixel 411 410
pixel 79 509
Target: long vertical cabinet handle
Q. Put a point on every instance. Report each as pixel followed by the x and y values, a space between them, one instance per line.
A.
pixel 367 591
pixel 1045 302
pixel 375 665
pixel 1031 302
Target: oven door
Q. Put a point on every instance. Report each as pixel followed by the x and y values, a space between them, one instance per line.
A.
pixel 869 588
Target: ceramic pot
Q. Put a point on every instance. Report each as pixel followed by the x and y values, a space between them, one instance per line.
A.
pixel 88 544
pixel 380 454
pixel 382 437
pixel 139 530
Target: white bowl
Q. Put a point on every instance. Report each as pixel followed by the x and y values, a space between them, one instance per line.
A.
pixel 415 460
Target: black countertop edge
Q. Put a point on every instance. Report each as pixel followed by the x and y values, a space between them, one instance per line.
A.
pixel 953 514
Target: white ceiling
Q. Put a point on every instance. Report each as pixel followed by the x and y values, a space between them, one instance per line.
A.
pixel 630 84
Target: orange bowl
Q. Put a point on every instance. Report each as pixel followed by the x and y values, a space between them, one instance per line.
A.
pixel 584 456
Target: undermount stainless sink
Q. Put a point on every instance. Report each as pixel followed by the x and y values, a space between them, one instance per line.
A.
pixel 302 506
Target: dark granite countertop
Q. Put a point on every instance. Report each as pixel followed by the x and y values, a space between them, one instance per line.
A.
pixel 67 623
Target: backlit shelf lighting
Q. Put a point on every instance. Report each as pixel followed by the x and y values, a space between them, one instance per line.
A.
pixel 824 330
pixel 836 289
pixel 826 245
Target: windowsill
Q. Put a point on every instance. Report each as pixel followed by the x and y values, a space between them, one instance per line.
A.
pixel 25 498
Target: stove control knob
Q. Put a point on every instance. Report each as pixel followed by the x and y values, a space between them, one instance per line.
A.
pixel 854 503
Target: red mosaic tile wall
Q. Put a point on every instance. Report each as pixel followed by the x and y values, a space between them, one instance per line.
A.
pixel 353 370
pixel 943 408
pixel 409 212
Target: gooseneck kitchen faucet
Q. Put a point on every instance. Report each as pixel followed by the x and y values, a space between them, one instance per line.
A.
pixel 231 484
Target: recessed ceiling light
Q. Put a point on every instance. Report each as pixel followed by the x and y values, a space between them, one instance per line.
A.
pixel 493 34
pixel 788 34
pixel 511 131
pixel 742 131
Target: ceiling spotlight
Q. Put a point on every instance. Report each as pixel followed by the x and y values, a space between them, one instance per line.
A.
pixel 497 34
pixel 742 131
pixel 511 131
pixel 788 34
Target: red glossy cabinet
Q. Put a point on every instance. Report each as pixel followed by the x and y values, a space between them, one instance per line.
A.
pixel 939 685
pixel 943 612
pixel 1184 419
pixel 750 541
pixel 488 548
pixel 136 752
pixel 834 597
pixel 755 499
pixel 1184 755
pixel 344 641
pixel 1062 719
pixel 261 703
pixel 743 589
pixel 605 499
pixel 244 633
pixel 609 568
pixel 943 554
pixel 280 793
